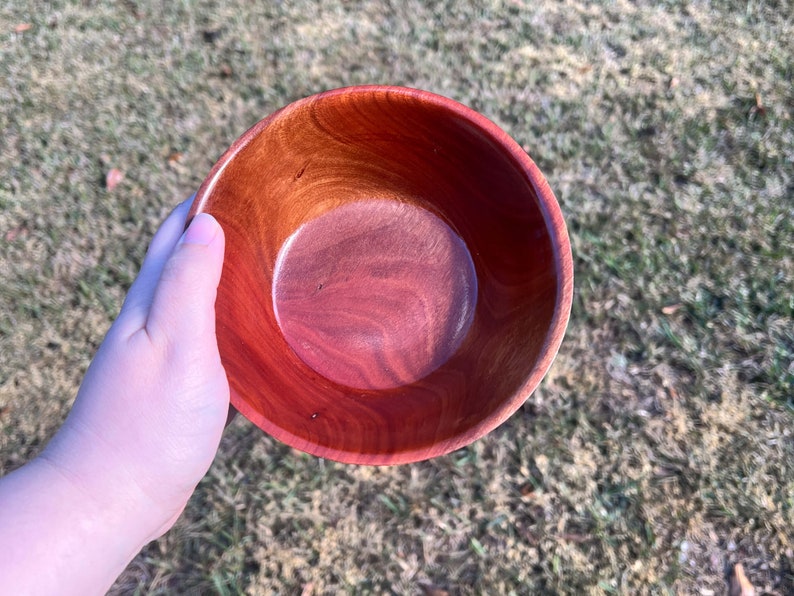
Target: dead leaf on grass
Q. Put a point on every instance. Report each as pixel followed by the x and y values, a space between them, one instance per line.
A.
pixel 112 179
pixel 175 157
pixel 739 584
pixel 16 232
pixel 671 309
pixel 22 27
pixel 759 107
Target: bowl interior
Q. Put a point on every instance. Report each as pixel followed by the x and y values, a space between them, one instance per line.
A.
pixel 397 276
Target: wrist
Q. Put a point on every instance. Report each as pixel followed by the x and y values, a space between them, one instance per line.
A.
pixel 82 464
pixel 49 516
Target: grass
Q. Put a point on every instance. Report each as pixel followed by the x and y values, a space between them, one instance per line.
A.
pixel 659 449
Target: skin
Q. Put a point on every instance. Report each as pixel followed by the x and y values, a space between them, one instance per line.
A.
pixel 143 431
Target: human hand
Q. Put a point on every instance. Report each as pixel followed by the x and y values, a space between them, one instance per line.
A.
pixel 143 431
pixel 154 401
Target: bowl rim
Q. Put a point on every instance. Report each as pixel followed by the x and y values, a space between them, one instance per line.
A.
pixel 562 258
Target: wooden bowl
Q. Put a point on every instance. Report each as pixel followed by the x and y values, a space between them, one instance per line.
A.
pixel 398 275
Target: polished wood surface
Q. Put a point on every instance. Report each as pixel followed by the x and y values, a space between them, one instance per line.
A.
pixel 398 275
pixel 374 294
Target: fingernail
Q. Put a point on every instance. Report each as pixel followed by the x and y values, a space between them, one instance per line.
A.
pixel 202 230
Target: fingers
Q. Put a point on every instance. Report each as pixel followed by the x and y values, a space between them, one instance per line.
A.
pixel 183 302
pixel 139 298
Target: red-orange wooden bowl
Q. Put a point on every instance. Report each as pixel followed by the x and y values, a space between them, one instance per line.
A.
pixel 398 275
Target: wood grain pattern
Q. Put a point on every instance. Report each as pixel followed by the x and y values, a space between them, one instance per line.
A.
pixel 374 294
pixel 434 324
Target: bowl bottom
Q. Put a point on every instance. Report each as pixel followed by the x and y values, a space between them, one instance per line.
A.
pixel 374 294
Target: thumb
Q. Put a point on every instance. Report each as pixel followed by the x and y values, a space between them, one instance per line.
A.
pixel 183 306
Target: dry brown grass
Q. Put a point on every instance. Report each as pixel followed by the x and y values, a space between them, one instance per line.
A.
pixel 659 449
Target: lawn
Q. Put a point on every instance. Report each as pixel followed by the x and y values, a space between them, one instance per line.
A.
pixel 658 452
